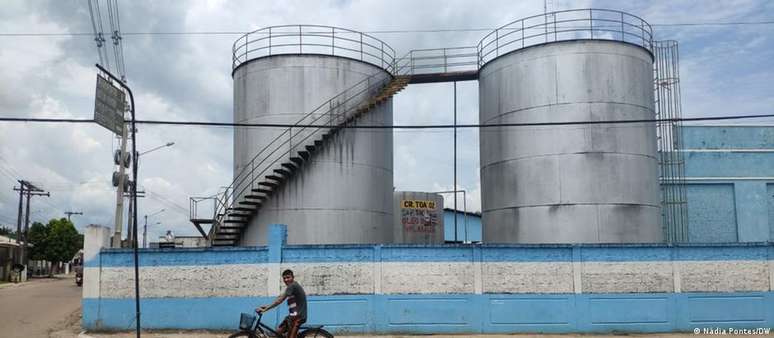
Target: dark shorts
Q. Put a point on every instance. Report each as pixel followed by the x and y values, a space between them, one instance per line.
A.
pixel 290 325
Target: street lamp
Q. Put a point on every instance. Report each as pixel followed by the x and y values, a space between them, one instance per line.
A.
pixel 137 159
pixel 145 228
pixel 168 144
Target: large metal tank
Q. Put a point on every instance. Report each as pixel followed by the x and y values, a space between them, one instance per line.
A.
pixel 592 183
pixel 418 217
pixel 343 194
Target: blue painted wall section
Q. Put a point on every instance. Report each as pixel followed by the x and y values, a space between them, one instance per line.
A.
pixel 729 172
pixel 752 211
pixel 455 313
pixel 181 257
pixel 711 213
pixel 469 233
pixel 278 237
pixel 729 164
pixel 770 203
pixel 493 313
pixel 728 137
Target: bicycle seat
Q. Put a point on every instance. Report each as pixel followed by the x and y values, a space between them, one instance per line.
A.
pixel 310 327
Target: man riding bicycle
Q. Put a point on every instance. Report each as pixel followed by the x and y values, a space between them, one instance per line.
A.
pixel 296 297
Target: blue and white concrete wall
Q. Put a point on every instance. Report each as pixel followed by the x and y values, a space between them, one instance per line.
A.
pixel 730 183
pixel 444 288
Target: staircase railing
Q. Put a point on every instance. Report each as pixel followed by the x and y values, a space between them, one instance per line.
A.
pixel 575 24
pixel 313 39
pixel 437 60
pixel 332 113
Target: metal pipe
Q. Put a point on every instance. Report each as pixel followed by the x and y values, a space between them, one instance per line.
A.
pixel 455 160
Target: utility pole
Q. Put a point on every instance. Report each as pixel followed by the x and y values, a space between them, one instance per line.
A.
pixel 29 190
pixel 145 228
pixel 119 218
pixel 130 233
pixel 22 185
pixel 70 213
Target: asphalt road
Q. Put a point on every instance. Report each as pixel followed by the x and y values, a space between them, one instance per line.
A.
pixel 38 307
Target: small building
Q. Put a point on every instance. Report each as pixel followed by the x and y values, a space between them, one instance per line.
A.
pixel 729 177
pixel 8 251
pixel 468 226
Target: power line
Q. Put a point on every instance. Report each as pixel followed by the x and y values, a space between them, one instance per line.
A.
pixel 115 28
pixel 7 168
pixel 392 31
pixel 99 33
pixel 438 126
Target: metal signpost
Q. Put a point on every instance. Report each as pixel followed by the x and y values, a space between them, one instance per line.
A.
pixel 109 107
pixel 118 105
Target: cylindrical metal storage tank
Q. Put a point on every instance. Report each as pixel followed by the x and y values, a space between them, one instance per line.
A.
pixel 586 183
pixel 418 217
pixel 343 193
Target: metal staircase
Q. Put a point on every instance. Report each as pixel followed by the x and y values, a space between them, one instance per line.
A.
pixel 277 163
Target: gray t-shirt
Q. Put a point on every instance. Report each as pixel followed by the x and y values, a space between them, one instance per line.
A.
pixel 296 300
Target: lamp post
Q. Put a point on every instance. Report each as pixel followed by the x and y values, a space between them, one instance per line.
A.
pixel 137 159
pixel 168 144
pixel 145 228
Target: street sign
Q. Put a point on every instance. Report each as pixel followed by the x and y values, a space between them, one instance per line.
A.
pixel 109 106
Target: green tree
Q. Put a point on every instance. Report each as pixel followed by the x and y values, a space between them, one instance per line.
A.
pixel 7 231
pixel 38 236
pixel 63 240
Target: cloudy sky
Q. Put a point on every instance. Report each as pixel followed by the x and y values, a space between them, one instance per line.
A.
pixel 725 70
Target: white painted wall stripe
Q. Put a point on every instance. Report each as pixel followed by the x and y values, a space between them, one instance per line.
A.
pixel 676 278
pixel 478 277
pixel 230 280
pixel 427 277
pixel 771 275
pixel 273 288
pixel 247 280
pixel 333 278
pixel 614 277
pixel 527 277
pixel 724 276
pixel 377 278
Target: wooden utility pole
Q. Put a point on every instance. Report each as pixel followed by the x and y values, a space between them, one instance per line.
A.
pixel 22 185
pixel 29 190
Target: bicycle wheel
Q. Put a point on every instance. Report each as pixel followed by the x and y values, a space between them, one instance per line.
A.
pixel 247 334
pixel 315 333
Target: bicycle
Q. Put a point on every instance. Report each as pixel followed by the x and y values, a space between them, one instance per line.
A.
pixel 252 328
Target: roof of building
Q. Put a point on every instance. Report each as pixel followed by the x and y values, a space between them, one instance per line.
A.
pixel 469 213
pixel 7 241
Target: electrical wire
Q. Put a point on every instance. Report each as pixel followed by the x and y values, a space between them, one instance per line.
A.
pixel 101 34
pixel 96 33
pixel 438 126
pixel 393 31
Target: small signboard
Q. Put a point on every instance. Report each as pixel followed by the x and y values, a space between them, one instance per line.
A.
pixel 109 106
